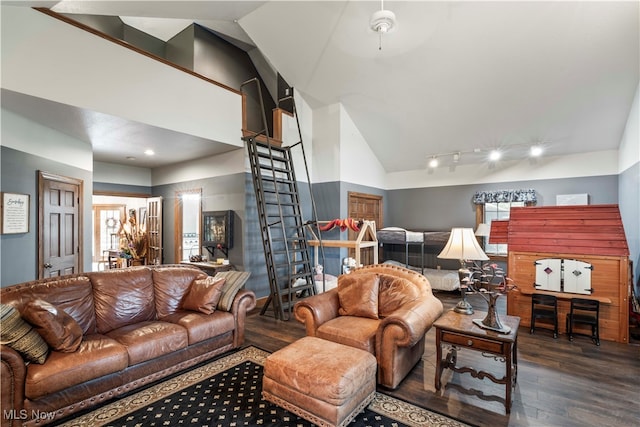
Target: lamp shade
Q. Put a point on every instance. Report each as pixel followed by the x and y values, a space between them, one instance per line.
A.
pixel 463 245
pixel 483 230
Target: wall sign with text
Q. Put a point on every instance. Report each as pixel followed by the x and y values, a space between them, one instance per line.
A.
pixel 15 213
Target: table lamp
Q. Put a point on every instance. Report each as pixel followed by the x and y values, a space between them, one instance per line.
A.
pixel 463 245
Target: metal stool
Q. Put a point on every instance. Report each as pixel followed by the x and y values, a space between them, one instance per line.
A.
pixel 584 311
pixel 544 307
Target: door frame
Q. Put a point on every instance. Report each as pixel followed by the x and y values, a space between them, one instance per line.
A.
pixel 47 176
pixel 351 196
pixel 97 228
pixel 177 222
pixel 132 195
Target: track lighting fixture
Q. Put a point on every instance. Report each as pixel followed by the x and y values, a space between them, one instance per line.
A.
pixel 477 155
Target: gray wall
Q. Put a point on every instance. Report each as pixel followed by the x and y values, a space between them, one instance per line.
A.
pixel 19 252
pixel 441 208
pixel 107 187
pixel 629 187
pixel 331 203
pixel 218 194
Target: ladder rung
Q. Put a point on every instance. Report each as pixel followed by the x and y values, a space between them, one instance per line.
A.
pixel 277 158
pixel 271 147
pixel 271 168
pixel 287 204
pixel 275 191
pixel 277 181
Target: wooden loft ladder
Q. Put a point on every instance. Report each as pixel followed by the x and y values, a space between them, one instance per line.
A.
pixel 282 226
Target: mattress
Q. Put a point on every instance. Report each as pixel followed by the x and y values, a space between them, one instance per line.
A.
pixel 436 238
pixel 441 280
pixel 397 235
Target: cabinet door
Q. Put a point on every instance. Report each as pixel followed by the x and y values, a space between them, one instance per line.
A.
pixel 577 277
pixel 548 274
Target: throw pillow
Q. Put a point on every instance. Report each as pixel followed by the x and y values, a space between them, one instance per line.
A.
pixel 358 295
pixel 19 335
pixel 203 295
pixel 58 329
pixel 394 293
pixel 234 281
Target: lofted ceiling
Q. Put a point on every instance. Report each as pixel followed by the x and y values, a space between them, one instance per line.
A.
pixel 452 77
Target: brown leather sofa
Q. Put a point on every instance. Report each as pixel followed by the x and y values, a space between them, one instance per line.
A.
pixel 135 331
pixel 383 309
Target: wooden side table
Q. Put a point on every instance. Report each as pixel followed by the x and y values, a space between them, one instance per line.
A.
pixel 459 331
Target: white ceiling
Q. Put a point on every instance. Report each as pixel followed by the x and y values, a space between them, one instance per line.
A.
pixel 452 77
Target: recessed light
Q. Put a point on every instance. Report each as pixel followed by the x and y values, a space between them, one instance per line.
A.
pixel 130 158
pixel 149 152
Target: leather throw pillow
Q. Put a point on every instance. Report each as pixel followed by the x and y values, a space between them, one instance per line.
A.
pixel 358 295
pixel 56 327
pixel 203 295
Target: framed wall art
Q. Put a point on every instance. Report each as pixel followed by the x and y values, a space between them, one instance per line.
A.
pixel 15 213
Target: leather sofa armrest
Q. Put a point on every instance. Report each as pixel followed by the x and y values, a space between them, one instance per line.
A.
pixel 244 302
pixel 12 375
pixel 410 323
pixel 315 310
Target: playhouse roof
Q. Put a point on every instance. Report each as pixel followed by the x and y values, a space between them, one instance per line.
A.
pixel 583 230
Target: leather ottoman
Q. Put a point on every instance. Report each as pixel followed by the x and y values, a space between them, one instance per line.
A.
pixel 321 381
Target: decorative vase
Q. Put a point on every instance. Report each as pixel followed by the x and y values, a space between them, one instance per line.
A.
pixel 491 320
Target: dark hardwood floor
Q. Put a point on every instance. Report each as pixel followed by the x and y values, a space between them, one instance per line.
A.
pixel 560 383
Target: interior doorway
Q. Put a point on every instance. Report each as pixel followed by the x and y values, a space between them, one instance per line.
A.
pixel 188 214
pixel 59 230
pixel 106 239
pixel 108 212
pixel 369 207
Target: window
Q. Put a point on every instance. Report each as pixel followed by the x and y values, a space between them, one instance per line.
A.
pixel 499 211
pixel 106 221
pixel 496 205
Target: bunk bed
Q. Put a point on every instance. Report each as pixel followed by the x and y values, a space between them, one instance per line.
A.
pixel 400 236
pixel 428 242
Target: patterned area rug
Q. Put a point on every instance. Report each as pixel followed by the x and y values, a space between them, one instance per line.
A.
pixel 227 392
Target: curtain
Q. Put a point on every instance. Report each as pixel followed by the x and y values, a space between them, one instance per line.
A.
pixel 505 196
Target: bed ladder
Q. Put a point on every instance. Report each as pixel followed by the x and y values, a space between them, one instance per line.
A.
pixel 282 226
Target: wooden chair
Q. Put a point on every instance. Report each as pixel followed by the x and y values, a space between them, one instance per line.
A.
pixel 544 307
pixel 585 311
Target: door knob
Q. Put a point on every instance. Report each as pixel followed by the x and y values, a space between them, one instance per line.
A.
pixel 47 265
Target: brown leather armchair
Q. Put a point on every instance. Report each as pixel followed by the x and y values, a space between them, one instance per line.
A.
pixel 383 309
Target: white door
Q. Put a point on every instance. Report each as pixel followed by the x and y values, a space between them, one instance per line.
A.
pixel 577 277
pixel 548 274
pixel 154 230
